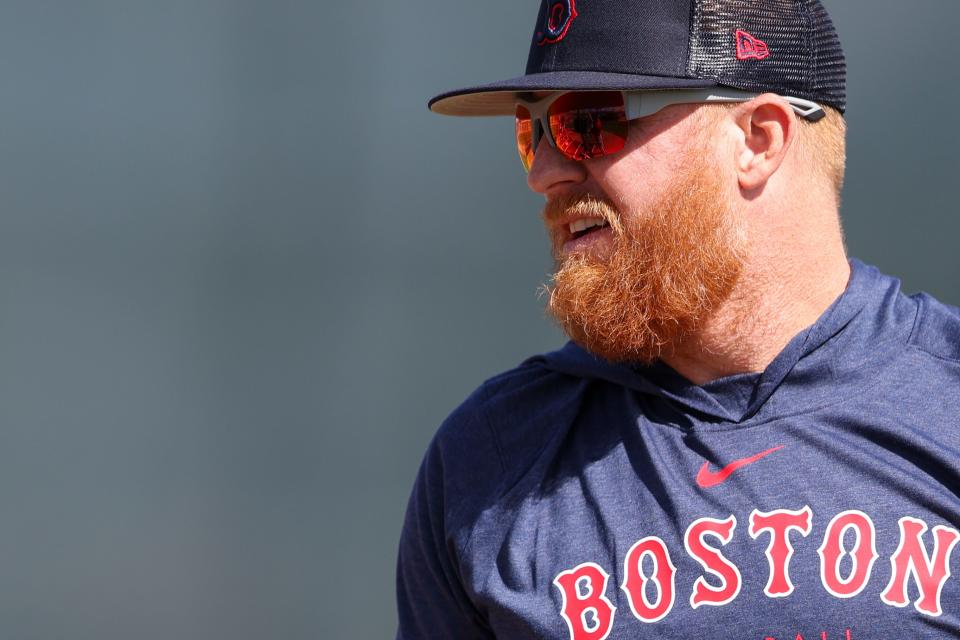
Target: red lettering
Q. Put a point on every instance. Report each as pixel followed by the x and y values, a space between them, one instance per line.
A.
pixel 863 555
pixel 588 612
pixel 779 524
pixel 712 561
pixel 635 582
pixel 929 574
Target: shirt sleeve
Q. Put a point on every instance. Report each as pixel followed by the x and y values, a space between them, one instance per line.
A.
pixel 431 599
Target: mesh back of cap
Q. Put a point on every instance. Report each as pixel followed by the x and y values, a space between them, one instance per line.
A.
pixel 805 59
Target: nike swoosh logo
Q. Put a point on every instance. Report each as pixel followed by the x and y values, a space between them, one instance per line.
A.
pixel 707 478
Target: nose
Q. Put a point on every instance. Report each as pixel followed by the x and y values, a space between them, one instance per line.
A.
pixel 553 172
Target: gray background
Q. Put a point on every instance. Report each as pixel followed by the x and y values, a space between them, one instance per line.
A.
pixel 244 274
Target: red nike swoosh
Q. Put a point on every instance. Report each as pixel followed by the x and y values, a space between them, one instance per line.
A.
pixel 707 478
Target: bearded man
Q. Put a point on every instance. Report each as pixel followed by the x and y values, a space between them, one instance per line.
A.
pixel 750 435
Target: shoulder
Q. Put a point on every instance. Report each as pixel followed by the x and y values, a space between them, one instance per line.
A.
pixel 937 328
pixel 461 480
pixel 507 412
pixel 498 431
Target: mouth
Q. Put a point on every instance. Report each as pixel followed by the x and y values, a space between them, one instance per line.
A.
pixel 586 226
pixel 580 223
pixel 583 235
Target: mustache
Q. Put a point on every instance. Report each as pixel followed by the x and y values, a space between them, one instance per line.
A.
pixel 581 205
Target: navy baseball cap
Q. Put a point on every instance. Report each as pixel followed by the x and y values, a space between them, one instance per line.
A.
pixel 789 47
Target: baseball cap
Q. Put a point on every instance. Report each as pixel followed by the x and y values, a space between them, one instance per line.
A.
pixel 789 47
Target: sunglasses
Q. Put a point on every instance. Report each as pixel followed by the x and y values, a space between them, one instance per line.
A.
pixel 591 124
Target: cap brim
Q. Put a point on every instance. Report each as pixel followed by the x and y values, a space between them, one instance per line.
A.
pixel 497 99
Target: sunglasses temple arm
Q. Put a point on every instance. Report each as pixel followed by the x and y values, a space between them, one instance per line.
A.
pixel 640 104
pixel 806 108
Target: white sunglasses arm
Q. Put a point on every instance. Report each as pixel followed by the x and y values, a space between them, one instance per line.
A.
pixel 640 104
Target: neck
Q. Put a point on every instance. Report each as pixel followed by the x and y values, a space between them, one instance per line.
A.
pixel 777 296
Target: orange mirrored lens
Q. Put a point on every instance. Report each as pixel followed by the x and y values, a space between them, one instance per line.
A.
pixel 525 137
pixel 589 124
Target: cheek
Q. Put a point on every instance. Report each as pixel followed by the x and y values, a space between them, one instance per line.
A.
pixel 658 153
pixel 638 179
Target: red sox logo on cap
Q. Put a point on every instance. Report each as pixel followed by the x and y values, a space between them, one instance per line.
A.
pixel 560 15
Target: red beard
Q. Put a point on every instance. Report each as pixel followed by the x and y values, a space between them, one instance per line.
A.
pixel 670 269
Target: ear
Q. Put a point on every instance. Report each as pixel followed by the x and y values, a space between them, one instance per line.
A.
pixel 766 127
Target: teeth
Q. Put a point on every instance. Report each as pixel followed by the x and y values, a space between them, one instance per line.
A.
pixel 585 223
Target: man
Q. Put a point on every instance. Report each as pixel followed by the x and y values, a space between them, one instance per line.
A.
pixel 750 435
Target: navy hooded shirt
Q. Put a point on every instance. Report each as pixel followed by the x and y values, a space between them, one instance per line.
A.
pixel 575 498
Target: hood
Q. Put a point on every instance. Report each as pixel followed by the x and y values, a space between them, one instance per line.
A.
pixel 869 323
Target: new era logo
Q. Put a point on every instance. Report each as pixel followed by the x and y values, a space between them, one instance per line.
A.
pixel 750 47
